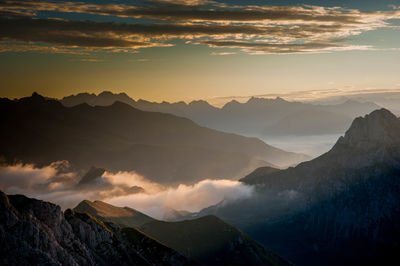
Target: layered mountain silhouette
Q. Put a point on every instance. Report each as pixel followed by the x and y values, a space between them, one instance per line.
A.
pixel 257 116
pixel 34 232
pixel 207 240
pixel 342 208
pixel 162 147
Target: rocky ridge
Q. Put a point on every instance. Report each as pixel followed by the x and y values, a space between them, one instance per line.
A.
pixel 34 232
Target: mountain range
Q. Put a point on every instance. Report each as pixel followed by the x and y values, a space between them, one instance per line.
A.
pixel 342 208
pixel 164 148
pixel 256 117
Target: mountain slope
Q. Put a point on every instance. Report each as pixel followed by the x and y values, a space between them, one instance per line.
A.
pixel 162 147
pixel 342 208
pixel 34 232
pixel 309 122
pixel 208 240
pixel 125 217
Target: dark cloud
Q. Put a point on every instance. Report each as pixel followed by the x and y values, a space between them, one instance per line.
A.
pixel 255 29
pixel 108 34
pixel 70 33
pixel 181 10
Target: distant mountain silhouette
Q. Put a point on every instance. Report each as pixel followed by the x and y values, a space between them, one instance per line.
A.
pixel 34 232
pixel 207 240
pixel 342 208
pixel 258 116
pixel 162 147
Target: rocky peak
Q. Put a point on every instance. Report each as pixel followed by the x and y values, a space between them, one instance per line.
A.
pixel 377 129
pixel 93 174
pixel 34 98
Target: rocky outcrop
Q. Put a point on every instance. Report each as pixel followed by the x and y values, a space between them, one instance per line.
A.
pixel 34 232
pixel 378 129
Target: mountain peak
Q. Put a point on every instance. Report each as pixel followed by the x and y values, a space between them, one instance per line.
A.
pixel 379 128
pixel 93 174
pixel 38 100
pixel 35 94
pixel 35 97
pixel 261 100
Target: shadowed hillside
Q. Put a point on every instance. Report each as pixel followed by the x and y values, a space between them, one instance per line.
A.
pixel 208 240
pixel 256 117
pixel 162 147
pixel 341 208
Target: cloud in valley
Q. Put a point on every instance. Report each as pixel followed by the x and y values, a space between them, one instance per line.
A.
pixel 58 184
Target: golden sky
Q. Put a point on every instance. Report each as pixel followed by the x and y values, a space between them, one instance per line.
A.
pixel 191 49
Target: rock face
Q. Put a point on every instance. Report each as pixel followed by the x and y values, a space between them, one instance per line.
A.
pixel 340 208
pixel 34 232
pixel 379 129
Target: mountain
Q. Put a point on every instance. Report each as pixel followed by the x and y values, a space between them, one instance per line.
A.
pixel 256 117
pixel 125 217
pixel 34 232
pixel 162 147
pixel 104 98
pixel 386 98
pixel 207 240
pixel 309 122
pixel 342 208
pixel 370 139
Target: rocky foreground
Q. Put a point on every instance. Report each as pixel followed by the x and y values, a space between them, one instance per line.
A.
pixel 34 232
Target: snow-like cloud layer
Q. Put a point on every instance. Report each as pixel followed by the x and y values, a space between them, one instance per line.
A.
pixel 56 183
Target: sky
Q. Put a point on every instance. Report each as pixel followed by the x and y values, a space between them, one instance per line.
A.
pixel 197 49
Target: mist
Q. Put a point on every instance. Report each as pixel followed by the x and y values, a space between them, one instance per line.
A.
pixel 58 184
pixel 312 145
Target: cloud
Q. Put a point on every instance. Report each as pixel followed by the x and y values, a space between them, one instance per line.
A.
pixel 69 33
pixel 395 7
pixel 287 48
pixel 59 184
pixel 189 198
pixel 91 60
pixel 250 28
pixel 21 48
pixel 180 11
pixel 223 53
pixel 25 176
pixel 184 2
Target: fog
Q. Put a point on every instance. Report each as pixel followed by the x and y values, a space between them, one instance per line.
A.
pixel 57 184
pixel 313 145
pixel 188 198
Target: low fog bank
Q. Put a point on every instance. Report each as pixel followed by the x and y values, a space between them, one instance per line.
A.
pixel 312 145
pixel 57 183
